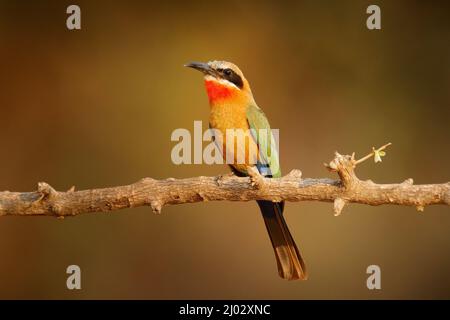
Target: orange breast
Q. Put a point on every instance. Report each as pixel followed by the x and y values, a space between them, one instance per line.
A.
pixel 229 113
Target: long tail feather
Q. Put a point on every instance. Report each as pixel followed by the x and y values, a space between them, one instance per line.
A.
pixel 290 263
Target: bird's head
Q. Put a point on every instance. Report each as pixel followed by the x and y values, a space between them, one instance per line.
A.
pixel 224 81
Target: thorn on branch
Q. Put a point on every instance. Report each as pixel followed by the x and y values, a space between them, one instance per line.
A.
pixel 45 190
pixel 330 166
pixel 409 181
pixel 295 174
pixel 339 204
pixel 147 180
pixel 156 206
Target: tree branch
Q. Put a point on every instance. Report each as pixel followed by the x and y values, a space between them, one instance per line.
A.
pixel 46 201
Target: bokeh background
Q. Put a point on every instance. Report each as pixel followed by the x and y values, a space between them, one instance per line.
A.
pixel 96 108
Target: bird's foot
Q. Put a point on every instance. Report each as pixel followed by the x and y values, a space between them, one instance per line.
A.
pixel 256 179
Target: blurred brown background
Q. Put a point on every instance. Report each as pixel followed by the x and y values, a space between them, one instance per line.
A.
pixel 96 107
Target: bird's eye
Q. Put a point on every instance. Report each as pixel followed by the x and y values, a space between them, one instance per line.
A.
pixel 231 76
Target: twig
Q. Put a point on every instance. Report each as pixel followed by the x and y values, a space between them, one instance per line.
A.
pixel 370 155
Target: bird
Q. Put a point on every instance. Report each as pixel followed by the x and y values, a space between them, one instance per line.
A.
pixel 233 107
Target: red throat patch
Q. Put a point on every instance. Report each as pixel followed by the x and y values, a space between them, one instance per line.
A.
pixel 217 91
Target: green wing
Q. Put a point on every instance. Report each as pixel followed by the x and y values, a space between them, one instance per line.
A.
pixel 263 136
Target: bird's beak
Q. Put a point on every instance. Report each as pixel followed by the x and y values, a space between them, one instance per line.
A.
pixel 202 67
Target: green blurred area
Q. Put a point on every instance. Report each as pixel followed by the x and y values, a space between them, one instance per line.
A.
pixel 96 108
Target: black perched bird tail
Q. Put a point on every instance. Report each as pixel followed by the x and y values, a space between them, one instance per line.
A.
pixel 290 263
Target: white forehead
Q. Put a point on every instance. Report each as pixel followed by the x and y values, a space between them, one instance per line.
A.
pixel 219 64
pixel 216 64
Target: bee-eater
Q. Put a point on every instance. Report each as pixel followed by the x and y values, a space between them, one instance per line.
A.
pixel 232 106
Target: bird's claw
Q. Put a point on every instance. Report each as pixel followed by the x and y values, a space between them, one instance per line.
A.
pixel 256 179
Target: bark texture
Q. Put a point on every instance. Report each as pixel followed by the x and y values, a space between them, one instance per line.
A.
pixel 157 193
